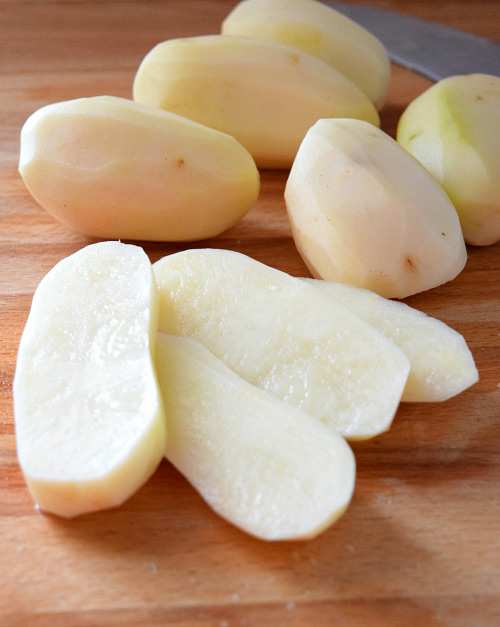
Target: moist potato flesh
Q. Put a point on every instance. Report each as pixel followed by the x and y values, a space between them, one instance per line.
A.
pixel 285 337
pixel 89 419
pixel 265 466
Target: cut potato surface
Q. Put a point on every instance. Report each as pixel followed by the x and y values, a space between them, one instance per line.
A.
pixel 116 169
pixel 441 363
pixel 453 129
pixel 265 466
pixel 264 93
pixel 365 212
pixel 89 419
pixel 284 336
pixel 321 31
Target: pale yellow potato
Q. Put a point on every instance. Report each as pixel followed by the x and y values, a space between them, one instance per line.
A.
pixel 264 465
pixel 453 129
pixel 319 30
pixel 264 93
pixel 284 336
pixel 441 364
pixel 117 169
pixel 89 419
pixel 363 211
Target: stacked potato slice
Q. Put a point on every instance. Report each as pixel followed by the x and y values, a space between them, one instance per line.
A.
pixel 89 416
pixel 262 377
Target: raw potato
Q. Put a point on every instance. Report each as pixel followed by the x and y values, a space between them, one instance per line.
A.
pixel 453 129
pixel 365 212
pixel 321 31
pixel 116 169
pixel 89 419
pixel 265 466
pixel 263 93
pixel 285 337
pixel 442 365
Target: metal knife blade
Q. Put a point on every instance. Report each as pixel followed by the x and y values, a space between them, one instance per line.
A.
pixel 428 48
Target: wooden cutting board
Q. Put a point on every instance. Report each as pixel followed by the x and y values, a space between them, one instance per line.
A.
pixel 419 544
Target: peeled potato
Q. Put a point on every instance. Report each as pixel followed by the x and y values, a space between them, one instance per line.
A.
pixel 284 336
pixel 89 419
pixel 453 129
pixel 318 29
pixel 265 466
pixel 441 364
pixel 116 169
pixel 264 93
pixel 365 212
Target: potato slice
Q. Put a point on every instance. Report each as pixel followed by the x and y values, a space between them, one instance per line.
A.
pixel 116 169
pixel 285 337
pixel 365 212
pixel 453 129
pixel 89 419
pixel 321 31
pixel 441 363
pixel 264 93
pixel 265 466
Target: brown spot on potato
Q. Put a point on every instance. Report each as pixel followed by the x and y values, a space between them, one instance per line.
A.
pixel 410 264
pixel 294 58
pixel 180 162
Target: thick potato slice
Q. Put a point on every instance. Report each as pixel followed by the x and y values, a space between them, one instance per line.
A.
pixel 321 31
pixel 441 363
pixel 365 212
pixel 116 169
pixel 453 129
pixel 264 93
pixel 265 466
pixel 89 419
pixel 284 336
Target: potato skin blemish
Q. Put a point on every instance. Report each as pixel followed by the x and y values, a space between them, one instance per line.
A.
pixel 410 264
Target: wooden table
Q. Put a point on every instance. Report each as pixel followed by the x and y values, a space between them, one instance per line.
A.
pixel 420 543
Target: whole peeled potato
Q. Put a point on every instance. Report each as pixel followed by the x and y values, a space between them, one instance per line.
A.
pixel 365 212
pixel 453 129
pixel 116 169
pixel 264 93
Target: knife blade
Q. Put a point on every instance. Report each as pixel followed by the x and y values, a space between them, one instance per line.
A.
pixel 428 48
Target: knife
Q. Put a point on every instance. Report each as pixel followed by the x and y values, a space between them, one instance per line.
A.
pixel 428 48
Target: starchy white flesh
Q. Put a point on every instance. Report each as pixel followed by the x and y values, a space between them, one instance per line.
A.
pixel 89 420
pixel 284 336
pixel 441 364
pixel 265 466
pixel 365 212
pixel 117 169
pixel 264 93
pixel 321 31
pixel 453 129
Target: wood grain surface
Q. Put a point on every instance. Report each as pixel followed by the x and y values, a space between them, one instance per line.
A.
pixel 419 544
